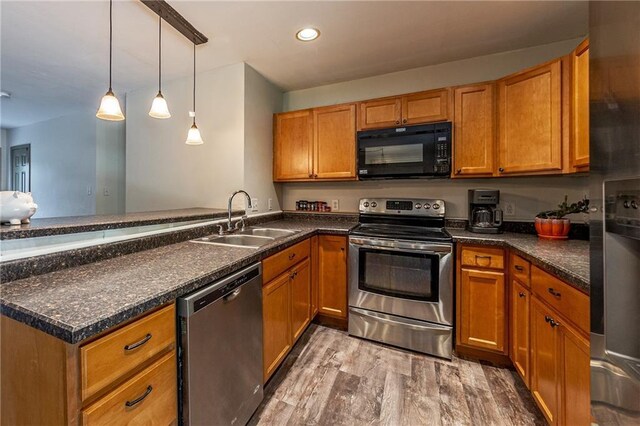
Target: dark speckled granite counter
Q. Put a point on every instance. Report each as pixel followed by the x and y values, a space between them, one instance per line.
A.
pixel 77 303
pixel 567 259
pixel 74 224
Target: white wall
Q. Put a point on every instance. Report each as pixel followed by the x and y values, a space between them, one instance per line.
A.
pixel 162 172
pixel 261 100
pixel 4 161
pixel 110 167
pixel 63 163
pixel 530 194
pixel 473 70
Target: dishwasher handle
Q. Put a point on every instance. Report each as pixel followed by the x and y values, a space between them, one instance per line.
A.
pixel 230 296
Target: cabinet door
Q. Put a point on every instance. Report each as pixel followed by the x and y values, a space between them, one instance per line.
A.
pixel 580 142
pixel 483 314
pixel 292 146
pixel 575 373
pixel 379 113
pixel 334 137
pixel 473 121
pixel 300 298
pixel 276 323
pixel 519 327
pixel 425 107
pixel 332 275
pixel 530 121
pixel 544 360
pixel 314 276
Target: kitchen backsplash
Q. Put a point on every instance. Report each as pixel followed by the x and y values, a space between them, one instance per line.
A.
pixel 528 195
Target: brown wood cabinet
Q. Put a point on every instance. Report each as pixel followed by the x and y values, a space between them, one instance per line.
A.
pixel 314 276
pixel 300 298
pixel 292 146
pixel 315 144
pixel 276 325
pixel 474 142
pixel 53 382
pixel 530 121
pixel 332 275
pixel 481 301
pixel 412 108
pixel 575 382
pixel 286 303
pixel 519 329
pixel 580 131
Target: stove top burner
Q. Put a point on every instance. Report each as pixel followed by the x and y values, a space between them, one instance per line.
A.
pixel 404 232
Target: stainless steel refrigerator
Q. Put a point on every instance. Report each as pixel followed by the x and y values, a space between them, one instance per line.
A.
pixel 614 49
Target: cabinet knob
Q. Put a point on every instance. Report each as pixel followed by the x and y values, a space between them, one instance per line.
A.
pixel 315 176
pixel 291 256
pixel 458 171
pixel 404 121
pixel 521 294
pixel 397 121
pixel 554 293
pixel 501 170
pixel 518 268
pixel 310 175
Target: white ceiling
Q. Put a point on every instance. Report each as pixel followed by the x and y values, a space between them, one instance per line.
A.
pixel 54 54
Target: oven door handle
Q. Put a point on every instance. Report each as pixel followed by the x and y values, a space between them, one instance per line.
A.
pixel 401 246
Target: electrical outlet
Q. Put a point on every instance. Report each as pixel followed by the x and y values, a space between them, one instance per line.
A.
pixel 106 192
pixel 270 204
pixel 254 204
pixel 335 205
pixel 89 190
pixel 509 208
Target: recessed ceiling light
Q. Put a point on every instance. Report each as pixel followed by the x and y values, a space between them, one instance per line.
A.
pixel 307 34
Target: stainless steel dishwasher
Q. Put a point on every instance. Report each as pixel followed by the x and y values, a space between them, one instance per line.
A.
pixel 220 350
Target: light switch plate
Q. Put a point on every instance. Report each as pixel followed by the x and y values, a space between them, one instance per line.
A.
pixel 270 204
pixel 509 208
pixel 335 205
pixel 254 204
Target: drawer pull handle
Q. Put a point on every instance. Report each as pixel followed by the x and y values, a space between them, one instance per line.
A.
pixel 521 294
pixel 519 268
pixel 136 345
pixel 291 256
pixel 140 398
pixel 551 321
pixel 554 293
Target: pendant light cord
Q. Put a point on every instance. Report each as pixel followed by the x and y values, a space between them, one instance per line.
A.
pixel 110 39
pixel 194 83
pixel 160 55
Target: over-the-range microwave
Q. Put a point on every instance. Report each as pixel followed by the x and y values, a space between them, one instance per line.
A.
pixel 422 151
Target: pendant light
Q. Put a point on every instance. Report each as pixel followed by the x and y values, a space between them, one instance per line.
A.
pixel 109 106
pixel 193 137
pixel 159 108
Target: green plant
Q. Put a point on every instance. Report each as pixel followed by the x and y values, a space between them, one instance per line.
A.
pixel 564 209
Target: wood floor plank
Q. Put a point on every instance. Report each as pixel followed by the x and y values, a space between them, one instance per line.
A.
pixel 330 378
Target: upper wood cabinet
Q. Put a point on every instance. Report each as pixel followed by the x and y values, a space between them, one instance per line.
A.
pixel 315 144
pixel 414 108
pixel 580 131
pixel 334 142
pixel 530 121
pixel 332 275
pixel 292 146
pixel 474 131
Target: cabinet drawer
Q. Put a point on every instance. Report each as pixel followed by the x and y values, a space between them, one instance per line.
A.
pixel 568 301
pixel 280 262
pixel 520 270
pixel 148 398
pixel 484 257
pixel 111 357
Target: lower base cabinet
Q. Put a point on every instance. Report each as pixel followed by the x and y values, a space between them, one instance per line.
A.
pixel 544 360
pixel 276 333
pixel 300 298
pixel 332 276
pixel 519 330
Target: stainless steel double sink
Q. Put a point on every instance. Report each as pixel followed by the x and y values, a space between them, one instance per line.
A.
pixel 252 237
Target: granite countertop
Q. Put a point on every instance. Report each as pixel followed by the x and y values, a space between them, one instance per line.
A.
pixel 77 303
pixel 73 224
pixel 567 259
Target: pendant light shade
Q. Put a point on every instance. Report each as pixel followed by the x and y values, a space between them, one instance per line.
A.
pixel 159 107
pixel 109 106
pixel 194 137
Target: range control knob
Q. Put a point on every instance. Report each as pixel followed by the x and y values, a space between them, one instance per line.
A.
pixel 374 204
pixel 436 206
pixel 366 204
pixel 426 206
pixel 418 205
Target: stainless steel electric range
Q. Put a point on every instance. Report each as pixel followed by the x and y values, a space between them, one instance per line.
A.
pixel 401 275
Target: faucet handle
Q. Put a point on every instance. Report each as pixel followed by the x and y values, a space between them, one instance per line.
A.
pixel 220 229
pixel 240 223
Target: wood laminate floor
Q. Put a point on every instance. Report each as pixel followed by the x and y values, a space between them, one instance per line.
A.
pixel 333 379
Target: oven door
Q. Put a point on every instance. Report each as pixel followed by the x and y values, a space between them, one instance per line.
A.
pixel 405 278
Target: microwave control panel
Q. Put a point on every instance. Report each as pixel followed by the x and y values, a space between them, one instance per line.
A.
pixel 442 165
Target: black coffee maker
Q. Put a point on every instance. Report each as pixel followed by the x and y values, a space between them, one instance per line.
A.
pixel 484 215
